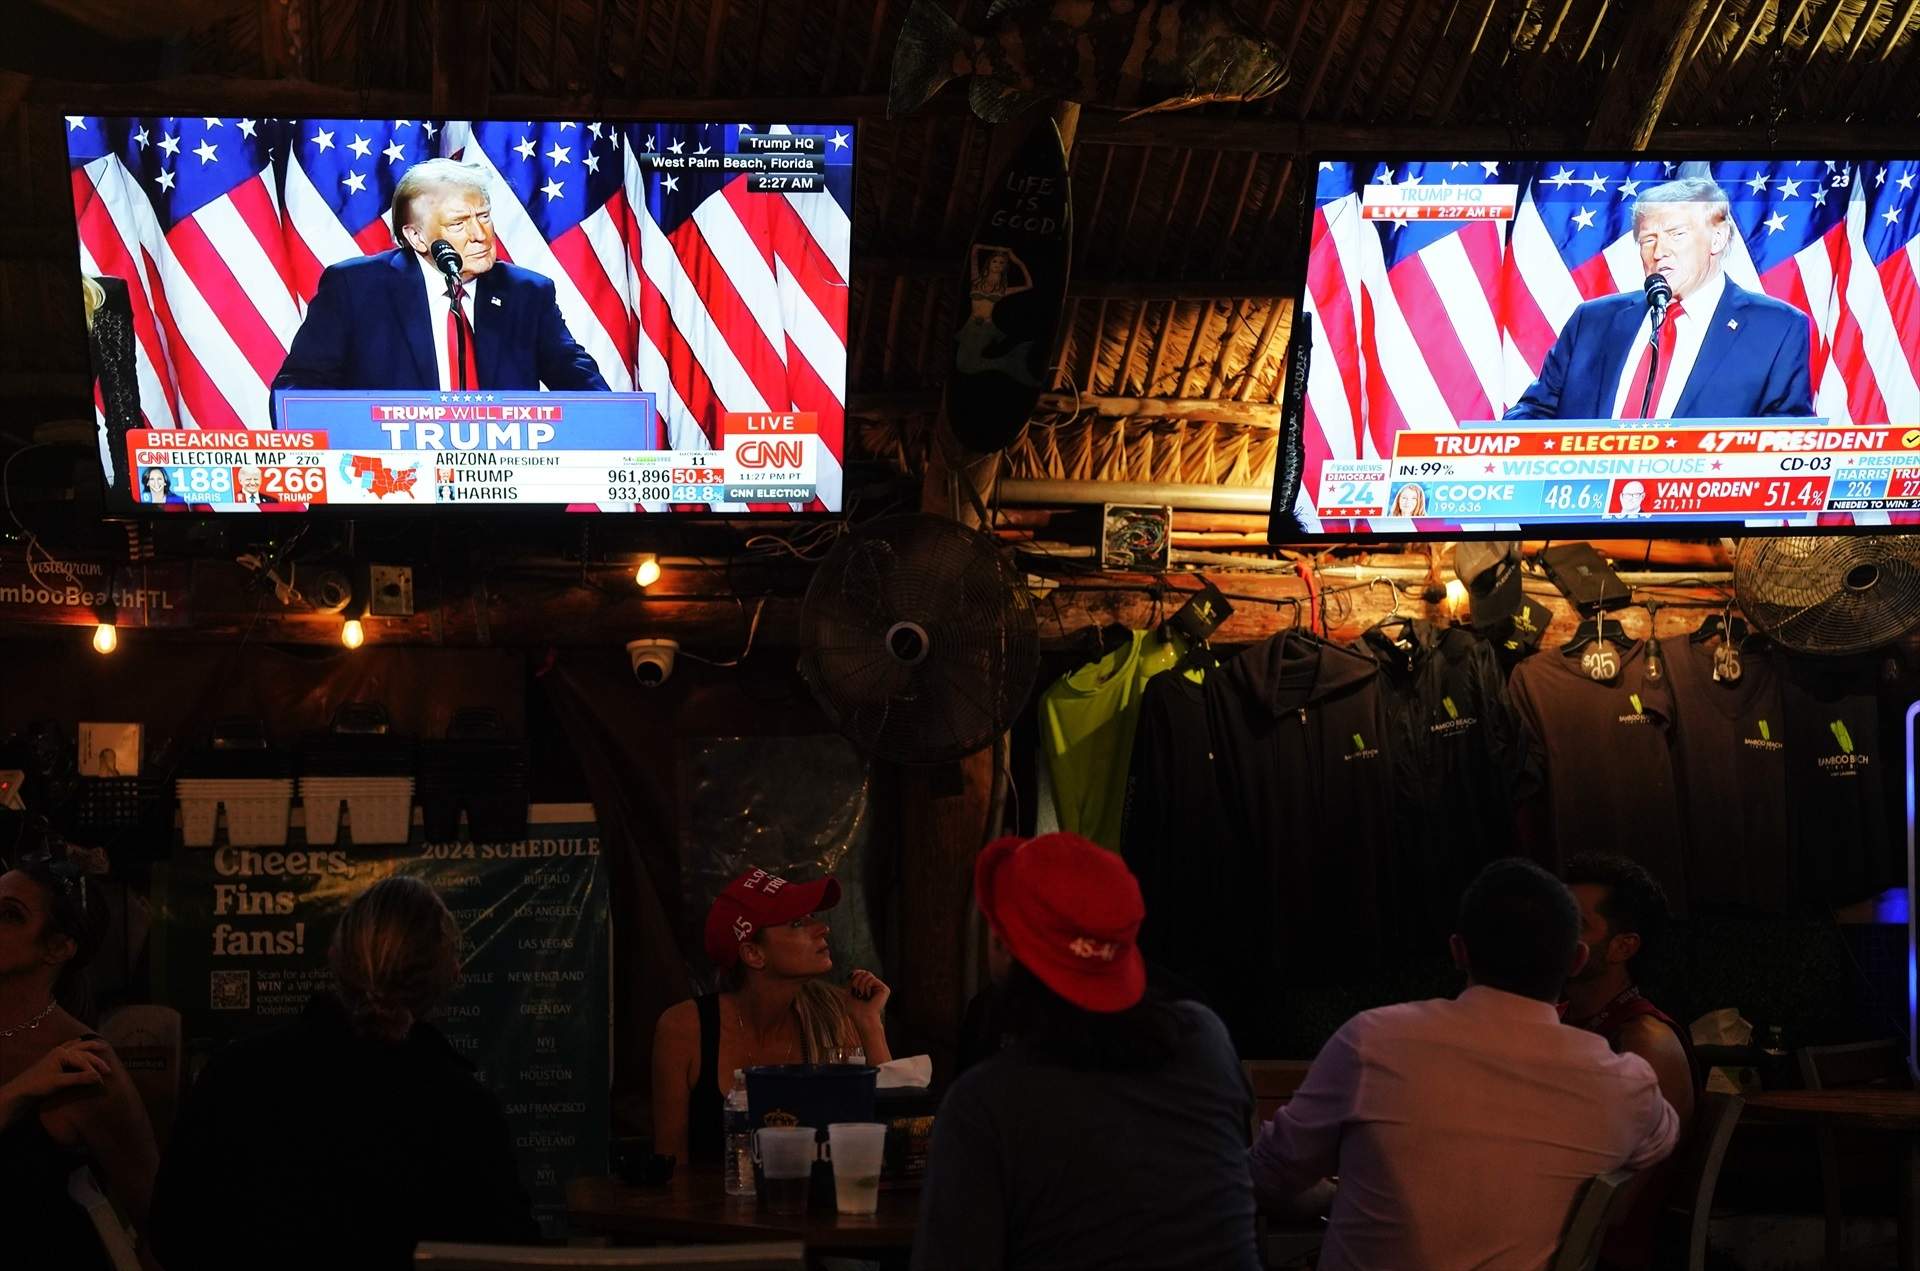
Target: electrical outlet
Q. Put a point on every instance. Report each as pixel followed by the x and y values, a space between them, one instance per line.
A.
pixel 392 591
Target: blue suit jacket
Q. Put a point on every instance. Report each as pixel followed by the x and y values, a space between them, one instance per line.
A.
pixel 368 328
pixel 1752 365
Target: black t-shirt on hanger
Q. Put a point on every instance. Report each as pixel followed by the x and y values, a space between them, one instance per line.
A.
pixel 1844 845
pixel 1730 752
pixel 1609 779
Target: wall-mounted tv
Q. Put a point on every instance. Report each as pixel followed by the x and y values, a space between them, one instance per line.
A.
pixel 1607 344
pixel 297 315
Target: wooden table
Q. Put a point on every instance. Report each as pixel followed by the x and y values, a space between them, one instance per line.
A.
pixel 694 1208
pixel 1894 1112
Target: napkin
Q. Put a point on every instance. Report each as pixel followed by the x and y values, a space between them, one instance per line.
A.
pixel 912 1073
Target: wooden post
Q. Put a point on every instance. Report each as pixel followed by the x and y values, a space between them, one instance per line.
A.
pixel 944 808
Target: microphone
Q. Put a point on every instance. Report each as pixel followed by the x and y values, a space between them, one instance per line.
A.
pixel 1659 296
pixel 449 260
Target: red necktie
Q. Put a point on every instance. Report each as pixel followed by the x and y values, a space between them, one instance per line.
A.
pixel 461 372
pixel 1630 409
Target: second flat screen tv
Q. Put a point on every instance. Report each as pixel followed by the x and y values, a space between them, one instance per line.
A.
pixel 1619 345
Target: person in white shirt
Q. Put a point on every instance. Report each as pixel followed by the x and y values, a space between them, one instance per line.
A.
pixel 1461 1132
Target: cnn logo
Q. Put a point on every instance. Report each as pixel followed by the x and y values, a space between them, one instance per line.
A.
pixel 779 454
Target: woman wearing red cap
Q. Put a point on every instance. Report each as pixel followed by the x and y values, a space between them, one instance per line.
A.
pixel 1112 1131
pixel 773 1007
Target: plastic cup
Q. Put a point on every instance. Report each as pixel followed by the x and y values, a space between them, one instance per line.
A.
pixel 785 1155
pixel 856 1149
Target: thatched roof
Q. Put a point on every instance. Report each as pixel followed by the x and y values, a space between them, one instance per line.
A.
pixel 1186 225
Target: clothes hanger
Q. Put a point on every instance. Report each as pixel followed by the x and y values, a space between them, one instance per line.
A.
pixel 1403 639
pixel 1594 630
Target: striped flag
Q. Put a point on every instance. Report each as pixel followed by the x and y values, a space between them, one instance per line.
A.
pixel 678 283
pixel 1425 324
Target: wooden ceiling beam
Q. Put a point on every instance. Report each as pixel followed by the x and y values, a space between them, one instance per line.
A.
pixel 1636 89
pixel 909 402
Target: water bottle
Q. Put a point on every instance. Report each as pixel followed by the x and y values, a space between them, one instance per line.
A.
pixel 739 1164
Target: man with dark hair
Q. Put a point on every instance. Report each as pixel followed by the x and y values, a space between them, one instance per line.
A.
pixel 1622 912
pixel 1462 1131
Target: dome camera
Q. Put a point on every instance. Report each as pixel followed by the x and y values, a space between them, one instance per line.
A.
pixel 652 660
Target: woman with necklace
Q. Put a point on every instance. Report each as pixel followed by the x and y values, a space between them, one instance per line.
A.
pixel 765 935
pixel 65 1101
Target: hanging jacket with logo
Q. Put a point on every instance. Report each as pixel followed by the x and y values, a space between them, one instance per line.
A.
pixel 1609 781
pixel 1459 761
pixel 1298 729
pixel 1730 754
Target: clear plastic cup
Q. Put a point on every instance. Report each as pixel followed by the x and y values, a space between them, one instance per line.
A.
pixel 857 1149
pixel 785 1155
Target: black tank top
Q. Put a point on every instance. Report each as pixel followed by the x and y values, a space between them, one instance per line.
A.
pixel 53 1231
pixel 706 1106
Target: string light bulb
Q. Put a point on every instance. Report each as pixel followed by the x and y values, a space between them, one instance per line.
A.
pixel 647 573
pixel 106 638
pixel 352 634
pixel 1456 597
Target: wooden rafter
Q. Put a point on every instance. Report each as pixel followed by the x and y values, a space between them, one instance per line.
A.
pixel 1650 59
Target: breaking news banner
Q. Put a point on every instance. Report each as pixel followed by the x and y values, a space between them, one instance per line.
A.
pixel 546 449
pixel 240 941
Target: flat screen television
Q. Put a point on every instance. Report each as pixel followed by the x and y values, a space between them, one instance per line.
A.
pixel 619 315
pixel 1568 346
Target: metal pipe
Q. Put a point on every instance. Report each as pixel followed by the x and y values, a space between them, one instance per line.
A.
pixel 1207 498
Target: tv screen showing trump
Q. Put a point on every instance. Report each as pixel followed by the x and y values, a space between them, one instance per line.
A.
pixel 597 315
pixel 1627 345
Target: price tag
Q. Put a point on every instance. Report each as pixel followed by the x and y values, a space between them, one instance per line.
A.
pixel 1601 661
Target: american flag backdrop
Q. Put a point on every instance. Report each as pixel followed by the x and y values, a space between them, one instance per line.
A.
pixel 677 282
pixel 1421 324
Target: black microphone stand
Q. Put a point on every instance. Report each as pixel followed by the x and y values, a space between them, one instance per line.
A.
pixel 460 328
pixel 1659 315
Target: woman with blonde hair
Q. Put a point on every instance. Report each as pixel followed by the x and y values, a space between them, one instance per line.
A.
pixel 348 1137
pixel 774 1007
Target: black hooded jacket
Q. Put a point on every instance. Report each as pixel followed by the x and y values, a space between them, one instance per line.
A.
pixel 1459 763
pixel 1298 729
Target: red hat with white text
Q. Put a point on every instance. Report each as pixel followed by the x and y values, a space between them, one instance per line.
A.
pixel 758 899
pixel 1070 912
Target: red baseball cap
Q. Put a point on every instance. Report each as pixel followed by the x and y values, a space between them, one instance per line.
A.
pixel 1070 911
pixel 758 899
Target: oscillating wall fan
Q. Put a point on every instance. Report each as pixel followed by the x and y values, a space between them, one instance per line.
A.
pixel 1834 595
pixel 919 639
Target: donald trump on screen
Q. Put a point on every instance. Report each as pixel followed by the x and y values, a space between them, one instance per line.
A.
pixel 1724 352
pixel 389 321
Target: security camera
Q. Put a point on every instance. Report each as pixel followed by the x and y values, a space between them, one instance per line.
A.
pixel 652 660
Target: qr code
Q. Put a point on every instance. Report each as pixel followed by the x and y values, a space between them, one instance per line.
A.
pixel 231 990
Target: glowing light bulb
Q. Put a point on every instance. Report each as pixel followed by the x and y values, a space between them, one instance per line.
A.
pixel 106 638
pixel 1456 594
pixel 649 571
pixel 352 634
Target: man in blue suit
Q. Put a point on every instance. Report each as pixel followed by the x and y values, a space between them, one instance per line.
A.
pixel 1725 352
pixel 387 321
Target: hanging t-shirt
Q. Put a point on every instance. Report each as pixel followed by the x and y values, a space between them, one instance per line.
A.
pixel 1844 846
pixel 1458 761
pixel 1602 747
pixel 1730 753
pixel 1087 723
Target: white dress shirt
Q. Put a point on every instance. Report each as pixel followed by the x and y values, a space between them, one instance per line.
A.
pixel 437 307
pixel 1689 333
pixel 1461 1132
